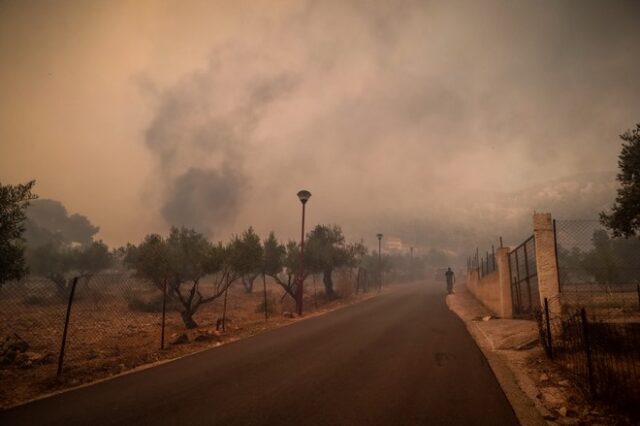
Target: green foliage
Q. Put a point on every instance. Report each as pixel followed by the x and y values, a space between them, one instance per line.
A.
pixel 92 259
pixel 14 200
pixel 246 256
pixel 600 262
pixel 52 261
pixel 609 262
pixel 357 252
pixel 280 263
pixel 150 260
pixel 326 250
pixel 192 256
pixel 274 254
pixel 624 219
pixel 179 262
pixel 59 263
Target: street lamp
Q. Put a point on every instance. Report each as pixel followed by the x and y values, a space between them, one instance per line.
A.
pixel 379 261
pixel 304 197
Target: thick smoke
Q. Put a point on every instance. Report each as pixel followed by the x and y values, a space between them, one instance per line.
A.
pixel 201 134
pixel 49 222
pixel 204 198
pixel 427 123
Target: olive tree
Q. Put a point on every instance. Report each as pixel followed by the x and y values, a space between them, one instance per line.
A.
pixel 60 263
pixel 326 250
pixel 281 263
pixel 180 262
pixel 249 252
pixel 14 200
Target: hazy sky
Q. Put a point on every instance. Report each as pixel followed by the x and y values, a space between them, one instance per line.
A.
pixel 442 123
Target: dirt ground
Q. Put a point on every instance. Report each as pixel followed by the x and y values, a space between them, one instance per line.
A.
pixel 107 337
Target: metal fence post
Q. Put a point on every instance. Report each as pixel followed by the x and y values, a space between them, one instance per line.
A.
pixel 264 286
pixel 224 307
pixel 164 312
pixel 493 256
pixel 587 349
pixel 66 325
pixel 548 321
pixel 555 248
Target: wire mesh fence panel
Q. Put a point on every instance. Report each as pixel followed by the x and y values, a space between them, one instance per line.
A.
pixel 31 322
pixel 602 355
pixel 596 270
pixel 114 323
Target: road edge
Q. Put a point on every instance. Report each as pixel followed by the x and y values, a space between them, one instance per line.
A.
pixel 147 366
pixel 524 408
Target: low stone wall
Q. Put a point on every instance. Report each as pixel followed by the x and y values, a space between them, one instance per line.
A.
pixel 486 289
pixel 494 289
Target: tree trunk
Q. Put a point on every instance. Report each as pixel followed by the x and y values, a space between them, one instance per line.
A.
pixel 187 318
pixel 328 283
pixel 247 282
pixel 266 308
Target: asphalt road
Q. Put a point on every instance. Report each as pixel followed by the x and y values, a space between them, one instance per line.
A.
pixel 398 359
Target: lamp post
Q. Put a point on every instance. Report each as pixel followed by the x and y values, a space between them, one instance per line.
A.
pixel 304 197
pixel 379 261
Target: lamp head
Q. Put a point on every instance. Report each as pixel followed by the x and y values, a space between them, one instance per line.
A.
pixel 304 196
pixel 379 236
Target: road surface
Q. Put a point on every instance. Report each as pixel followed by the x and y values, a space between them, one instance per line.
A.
pixel 398 359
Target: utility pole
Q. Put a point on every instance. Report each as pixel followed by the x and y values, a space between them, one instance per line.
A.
pixel 304 197
pixel 379 261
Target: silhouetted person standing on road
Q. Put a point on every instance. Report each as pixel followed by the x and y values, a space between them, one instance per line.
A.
pixel 451 279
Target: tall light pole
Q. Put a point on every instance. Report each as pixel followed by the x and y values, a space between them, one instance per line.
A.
pixel 379 261
pixel 304 197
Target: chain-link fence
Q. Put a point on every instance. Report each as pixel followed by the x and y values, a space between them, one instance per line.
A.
pixel 603 356
pixel 32 314
pixel 597 271
pixel 111 322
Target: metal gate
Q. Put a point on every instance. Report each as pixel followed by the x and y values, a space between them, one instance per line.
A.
pixel 524 279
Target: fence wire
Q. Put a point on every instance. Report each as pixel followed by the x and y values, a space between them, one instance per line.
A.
pixel 597 271
pixel 115 320
pixel 32 316
pixel 601 355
